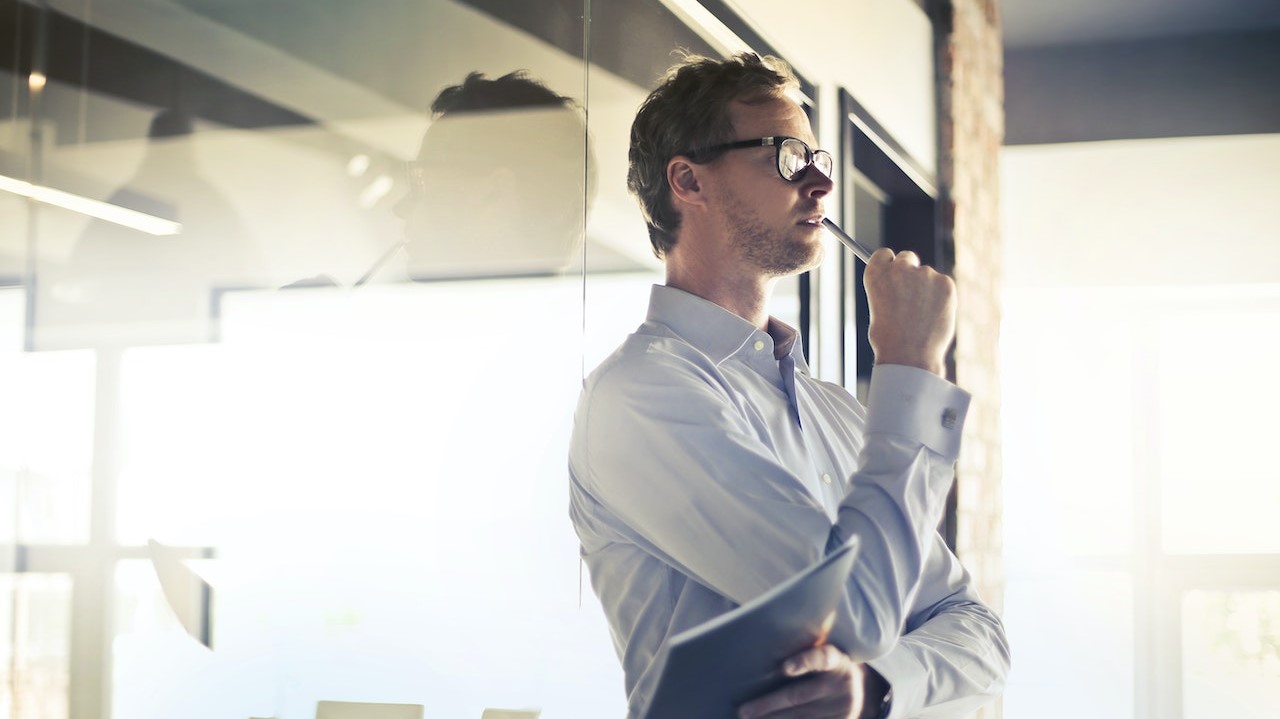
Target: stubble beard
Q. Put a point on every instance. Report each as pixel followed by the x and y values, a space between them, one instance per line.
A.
pixel 774 254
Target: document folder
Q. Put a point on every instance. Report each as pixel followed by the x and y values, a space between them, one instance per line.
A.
pixel 709 670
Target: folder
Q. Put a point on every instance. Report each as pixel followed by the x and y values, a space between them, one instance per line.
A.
pixel 711 669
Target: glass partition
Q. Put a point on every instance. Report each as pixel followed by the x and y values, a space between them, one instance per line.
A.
pixel 295 300
pixel 295 303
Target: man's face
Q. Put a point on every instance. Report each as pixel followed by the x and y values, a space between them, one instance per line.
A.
pixel 450 192
pixel 773 226
pixel 492 201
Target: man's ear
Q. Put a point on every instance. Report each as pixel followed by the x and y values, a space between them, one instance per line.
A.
pixel 684 177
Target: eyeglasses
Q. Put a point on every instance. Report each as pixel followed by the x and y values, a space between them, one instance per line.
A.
pixel 415 176
pixel 793 155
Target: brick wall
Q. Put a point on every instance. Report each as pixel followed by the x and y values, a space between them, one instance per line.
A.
pixel 971 130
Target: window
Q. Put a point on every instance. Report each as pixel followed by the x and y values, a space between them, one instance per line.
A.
pixel 1141 565
pixel 888 202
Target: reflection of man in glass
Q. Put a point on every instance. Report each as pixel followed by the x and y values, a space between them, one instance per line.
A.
pixel 708 466
pixel 499 186
pixel 123 286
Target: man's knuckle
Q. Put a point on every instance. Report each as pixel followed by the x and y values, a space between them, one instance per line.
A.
pixel 831 656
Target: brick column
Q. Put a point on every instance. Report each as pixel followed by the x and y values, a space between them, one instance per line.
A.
pixel 971 131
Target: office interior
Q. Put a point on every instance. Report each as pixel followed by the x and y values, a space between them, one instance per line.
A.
pixel 267 450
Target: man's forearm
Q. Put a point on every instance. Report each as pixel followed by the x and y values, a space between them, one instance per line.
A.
pixel 949 666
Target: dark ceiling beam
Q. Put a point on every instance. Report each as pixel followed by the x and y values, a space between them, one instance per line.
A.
pixel 124 71
pixel 1223 84
pixel 624 35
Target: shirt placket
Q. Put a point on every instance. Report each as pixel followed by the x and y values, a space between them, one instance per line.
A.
pixel 828 490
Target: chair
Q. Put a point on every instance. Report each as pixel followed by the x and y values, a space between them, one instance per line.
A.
pixel 364 710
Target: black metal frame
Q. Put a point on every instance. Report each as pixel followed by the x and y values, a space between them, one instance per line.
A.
pixel 871 155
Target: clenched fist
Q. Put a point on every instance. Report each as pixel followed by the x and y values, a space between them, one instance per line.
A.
pixel 913 311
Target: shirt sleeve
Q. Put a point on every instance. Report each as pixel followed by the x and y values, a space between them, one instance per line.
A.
pixel 676 457
pixel 954 656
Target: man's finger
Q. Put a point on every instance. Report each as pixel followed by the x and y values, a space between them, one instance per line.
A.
pixel 907 257
pixel 795 699
pixel 825 658
pixel 882 256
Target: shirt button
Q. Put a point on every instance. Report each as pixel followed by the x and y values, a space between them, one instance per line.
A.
pixel 826 478
pixel 759 345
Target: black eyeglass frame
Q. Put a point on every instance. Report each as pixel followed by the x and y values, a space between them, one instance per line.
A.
pixel 776 142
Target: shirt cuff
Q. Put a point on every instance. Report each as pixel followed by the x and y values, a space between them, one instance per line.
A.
pixel 917 404
pixel 907 680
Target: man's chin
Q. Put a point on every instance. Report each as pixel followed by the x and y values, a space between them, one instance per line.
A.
pixel 807 257
pixel 802 260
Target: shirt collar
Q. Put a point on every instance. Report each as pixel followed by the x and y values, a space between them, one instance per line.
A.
pixel 715 331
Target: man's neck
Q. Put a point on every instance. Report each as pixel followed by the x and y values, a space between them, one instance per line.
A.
pixel 746 297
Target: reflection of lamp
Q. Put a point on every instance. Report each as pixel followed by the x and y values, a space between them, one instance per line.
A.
pixel 116 214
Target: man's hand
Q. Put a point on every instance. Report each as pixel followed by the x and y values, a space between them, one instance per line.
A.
pixel 913 311
pixel 826 684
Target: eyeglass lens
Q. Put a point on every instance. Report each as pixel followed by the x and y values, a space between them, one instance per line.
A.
pixel 794 157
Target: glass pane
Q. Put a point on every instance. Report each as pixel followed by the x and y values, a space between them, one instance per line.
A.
pixel 160 670
pixel 46 445
pixel 348 380
pixel 377 464
pixel 35 645
pixel 1231 654
pixel 1218 497
pixel 12 305
pixel 1073 635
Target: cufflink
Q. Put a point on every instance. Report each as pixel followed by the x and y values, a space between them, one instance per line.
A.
pixel 949 418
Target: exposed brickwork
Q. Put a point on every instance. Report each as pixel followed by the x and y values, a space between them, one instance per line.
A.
pixel 971 132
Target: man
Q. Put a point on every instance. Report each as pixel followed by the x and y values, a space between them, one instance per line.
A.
pixel 707 465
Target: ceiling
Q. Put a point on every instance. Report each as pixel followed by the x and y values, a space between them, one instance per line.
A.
pixel 1037 23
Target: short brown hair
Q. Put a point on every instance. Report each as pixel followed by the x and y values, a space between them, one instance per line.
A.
pixel 689 111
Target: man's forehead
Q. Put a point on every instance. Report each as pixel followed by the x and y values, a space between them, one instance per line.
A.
pixel 773 116
pixel 506 132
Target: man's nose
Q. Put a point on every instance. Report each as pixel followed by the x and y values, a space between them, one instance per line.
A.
pixel 816 183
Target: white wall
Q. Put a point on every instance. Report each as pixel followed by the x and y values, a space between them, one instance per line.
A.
pixel 1198 210
pixel 881 51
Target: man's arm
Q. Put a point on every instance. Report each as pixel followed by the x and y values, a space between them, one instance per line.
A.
pixel 954 655
pixel 675 458
pixel 953 658
pixel 664 441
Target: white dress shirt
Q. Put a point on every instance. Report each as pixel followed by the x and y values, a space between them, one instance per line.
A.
pixel 707 466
